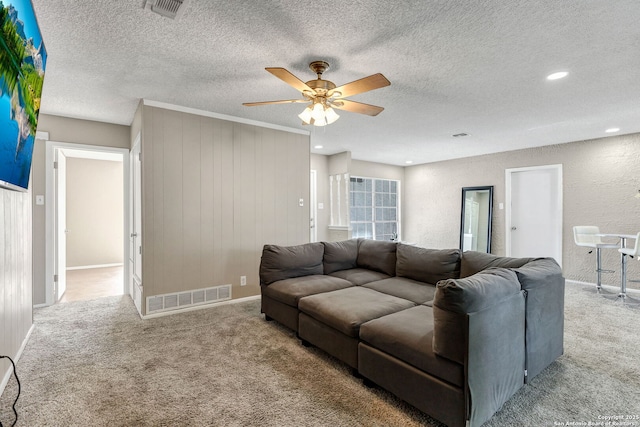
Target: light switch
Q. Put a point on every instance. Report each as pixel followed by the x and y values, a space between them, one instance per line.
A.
pixel 320 205
pixel 301 202
pixel 501 205
pixel 39 200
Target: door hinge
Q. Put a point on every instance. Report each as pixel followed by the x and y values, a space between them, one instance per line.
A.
pixel 55 278
pixel 140 250
pixel 140 156
pixel 55 165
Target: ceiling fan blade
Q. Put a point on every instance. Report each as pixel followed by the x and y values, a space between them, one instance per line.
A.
pixel 365 84
pixel 284 101
pixel 289 79
pixel 357 107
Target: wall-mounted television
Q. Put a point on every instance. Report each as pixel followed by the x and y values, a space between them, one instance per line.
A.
pixel 23 60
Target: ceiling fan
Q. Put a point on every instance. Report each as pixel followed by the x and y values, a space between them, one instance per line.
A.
pixel 324 96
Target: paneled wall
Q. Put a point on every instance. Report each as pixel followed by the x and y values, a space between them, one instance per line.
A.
pixel 15 275
pixel 214 192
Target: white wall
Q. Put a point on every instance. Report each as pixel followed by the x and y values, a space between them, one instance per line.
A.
pixel 15 275
pixel 600 183
pixel 94 212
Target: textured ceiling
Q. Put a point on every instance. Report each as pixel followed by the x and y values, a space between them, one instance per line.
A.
pixel 475 67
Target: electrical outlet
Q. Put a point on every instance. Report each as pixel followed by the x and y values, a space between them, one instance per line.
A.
pixel 243 280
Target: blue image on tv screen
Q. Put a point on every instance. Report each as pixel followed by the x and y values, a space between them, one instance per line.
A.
pixel 23 60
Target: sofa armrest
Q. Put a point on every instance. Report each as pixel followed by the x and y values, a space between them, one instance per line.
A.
pixel 542 279
pixel 479 321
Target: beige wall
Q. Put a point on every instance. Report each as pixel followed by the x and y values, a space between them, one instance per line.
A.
pixel 214 192
pixel 94 212
pixel 63 129
pixel 320 164
pixel 15 274
pixel 600 181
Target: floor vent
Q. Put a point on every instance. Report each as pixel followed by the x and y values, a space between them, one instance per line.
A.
pixel 167 302
pixel 171 9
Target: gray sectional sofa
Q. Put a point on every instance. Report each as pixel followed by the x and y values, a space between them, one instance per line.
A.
pixel 453 334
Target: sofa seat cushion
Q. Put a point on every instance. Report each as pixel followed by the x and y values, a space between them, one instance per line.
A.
pixel 408 336
pixel 346 309
pixel 401 287
pixel 360 276
pixel 289 291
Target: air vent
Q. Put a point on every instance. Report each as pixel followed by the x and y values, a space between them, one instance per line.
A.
pixel 168 8
pixel 458 135
pixel 167 302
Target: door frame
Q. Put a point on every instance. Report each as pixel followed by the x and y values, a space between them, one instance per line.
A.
pixel 313 206
pixel 50 235
pixel 508 189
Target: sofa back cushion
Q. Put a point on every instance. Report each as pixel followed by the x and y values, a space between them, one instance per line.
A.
pixel 285 262
pixel 340 255
pixel 427 265
pixel 377 255
pixel 472 262
pixel 456 298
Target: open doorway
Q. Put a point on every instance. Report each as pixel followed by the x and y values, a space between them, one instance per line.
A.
pixel 86 222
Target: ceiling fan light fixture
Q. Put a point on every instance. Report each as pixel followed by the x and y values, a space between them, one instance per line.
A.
pixel 321 122
pixel 323 95
pixel 318 111
pixel 331 115
pixel 305 116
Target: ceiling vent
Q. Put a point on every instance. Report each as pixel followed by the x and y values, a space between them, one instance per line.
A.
pixel 168 8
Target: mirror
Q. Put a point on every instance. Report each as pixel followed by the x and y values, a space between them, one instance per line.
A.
pixel 475 221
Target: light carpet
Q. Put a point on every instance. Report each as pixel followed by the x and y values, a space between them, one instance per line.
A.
pixel 96 363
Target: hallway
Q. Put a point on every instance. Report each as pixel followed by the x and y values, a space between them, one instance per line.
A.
pixel 93 283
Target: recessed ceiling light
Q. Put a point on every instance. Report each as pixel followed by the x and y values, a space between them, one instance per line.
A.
pixel 318 147
pixel 409 162
pixel 612 130
pixel 558 75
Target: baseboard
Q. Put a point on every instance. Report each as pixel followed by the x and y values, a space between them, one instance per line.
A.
pixel 7 375
pixel 87 267
pixel 200 307
pixel 611 288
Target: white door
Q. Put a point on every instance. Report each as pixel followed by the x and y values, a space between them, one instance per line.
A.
pixel 61 225
pixel 534 212
pixel 136 216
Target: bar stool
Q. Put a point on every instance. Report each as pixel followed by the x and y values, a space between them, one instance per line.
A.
pixel 632 252
pixel 588 236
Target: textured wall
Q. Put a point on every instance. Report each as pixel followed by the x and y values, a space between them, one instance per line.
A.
pixel 600 180
pixel 15 274
pixel 94 212
pixel 213 193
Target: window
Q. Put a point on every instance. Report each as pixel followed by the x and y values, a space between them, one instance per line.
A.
pixel 374 208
